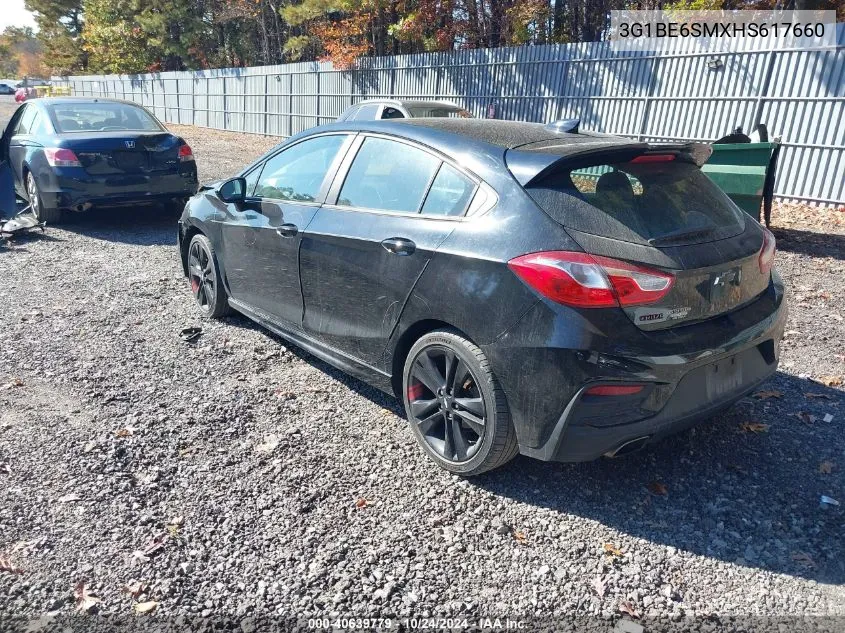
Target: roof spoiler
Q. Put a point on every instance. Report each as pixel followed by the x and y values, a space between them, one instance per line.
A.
pixel 564 126
pixel 528 165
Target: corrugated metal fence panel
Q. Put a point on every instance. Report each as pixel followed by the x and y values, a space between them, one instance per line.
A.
pixel 685 93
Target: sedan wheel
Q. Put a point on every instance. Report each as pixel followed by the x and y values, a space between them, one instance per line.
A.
pixel 204 276
pixel 456 410
pixel 41 213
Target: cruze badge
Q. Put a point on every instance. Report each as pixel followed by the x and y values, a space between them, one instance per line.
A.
pixel 130 144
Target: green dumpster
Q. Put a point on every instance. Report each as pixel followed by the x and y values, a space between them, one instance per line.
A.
pixel 744 171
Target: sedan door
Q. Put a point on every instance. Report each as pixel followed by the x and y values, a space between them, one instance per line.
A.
pixel 362 255
pixel 261 236
pixel 20 144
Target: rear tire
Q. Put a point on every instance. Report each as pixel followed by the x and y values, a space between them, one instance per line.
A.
pixel 455 407
pixel 204 277
pixel 41 213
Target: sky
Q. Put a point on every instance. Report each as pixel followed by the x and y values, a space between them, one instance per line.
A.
pixel 14 14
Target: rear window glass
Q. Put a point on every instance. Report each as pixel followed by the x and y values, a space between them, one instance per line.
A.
pixel 655 203
pixel 103 117
pixel 429 111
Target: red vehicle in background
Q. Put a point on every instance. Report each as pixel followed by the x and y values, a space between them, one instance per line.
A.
pixel 22 94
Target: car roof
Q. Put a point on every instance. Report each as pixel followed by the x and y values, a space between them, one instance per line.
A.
pixel 441 132
pixel 414 103
pixel 71 100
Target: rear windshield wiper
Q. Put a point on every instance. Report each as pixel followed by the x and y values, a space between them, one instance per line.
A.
pixel 679 236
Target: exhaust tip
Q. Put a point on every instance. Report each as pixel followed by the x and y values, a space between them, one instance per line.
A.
pixel 631 446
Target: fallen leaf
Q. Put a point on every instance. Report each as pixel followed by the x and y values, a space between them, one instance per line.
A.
pixel 361 503
pixel 805 417
pixel 765 395
pixel 520 537
pixel 140 556
pixel 832 381
pixel 611 550
pixel 804 559
pixel 15 382
pixel 658 488
pixel 124 432
pixel 818 395
pixel 754 427
pixel 825 468
pixel 271 442
pixel 85 600
pixel 146 607
pixel 8 566
pixel 134 589
pixel 627 607
pixel 599 586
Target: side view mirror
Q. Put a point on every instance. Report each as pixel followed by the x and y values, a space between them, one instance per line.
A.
pixel 233 190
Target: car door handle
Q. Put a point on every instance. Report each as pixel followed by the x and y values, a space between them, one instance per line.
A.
pixel 287 230
pixel 399 245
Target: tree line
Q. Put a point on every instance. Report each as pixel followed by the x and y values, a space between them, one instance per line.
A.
pixel 134 36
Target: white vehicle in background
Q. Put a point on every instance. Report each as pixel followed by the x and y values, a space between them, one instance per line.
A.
pixel 376 109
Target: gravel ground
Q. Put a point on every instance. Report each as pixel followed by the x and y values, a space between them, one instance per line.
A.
pixel 239 477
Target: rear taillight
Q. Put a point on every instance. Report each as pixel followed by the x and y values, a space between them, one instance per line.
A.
pixel 185 153
pixel 767 252
pixel 590 281
pixel 60 157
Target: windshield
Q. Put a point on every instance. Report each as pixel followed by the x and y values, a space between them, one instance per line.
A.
pixel 667 202
pixel 103 117
pixel 439 111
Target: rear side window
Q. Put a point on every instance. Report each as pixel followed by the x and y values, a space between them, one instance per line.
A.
pixel 449 194
pixel 391 113
pixel 25 122
pixel 660 203
pixel 297 173
pixel 388 176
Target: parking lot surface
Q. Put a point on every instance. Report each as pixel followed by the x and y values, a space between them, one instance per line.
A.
pixel 238 476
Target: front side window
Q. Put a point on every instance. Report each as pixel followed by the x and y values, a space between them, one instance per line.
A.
pixel 367 112
pixel 102 117
pixel 449 194
pixel 297 173
pixel 388 176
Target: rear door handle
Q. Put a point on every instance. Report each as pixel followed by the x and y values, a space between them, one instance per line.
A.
pixel 399 245
pixel 287 230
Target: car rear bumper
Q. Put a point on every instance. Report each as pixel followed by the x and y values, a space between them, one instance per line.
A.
pixel 546 368
pixel 68 189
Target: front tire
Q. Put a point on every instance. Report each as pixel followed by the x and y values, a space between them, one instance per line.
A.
pixel 41 213
pixel 204 277
pixel 455 407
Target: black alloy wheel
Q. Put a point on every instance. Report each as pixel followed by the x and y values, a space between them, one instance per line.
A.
pixel 206 284
pixel 455 408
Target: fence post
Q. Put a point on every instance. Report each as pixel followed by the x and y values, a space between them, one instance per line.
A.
pixel 648 98
pixel 225 106
pixel 763 91
pixel 193 101
pixel 290 104
pixel 318 92
pixel 266 105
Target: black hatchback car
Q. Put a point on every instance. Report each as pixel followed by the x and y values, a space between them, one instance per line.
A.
pixel 74 153
pixel 562 295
